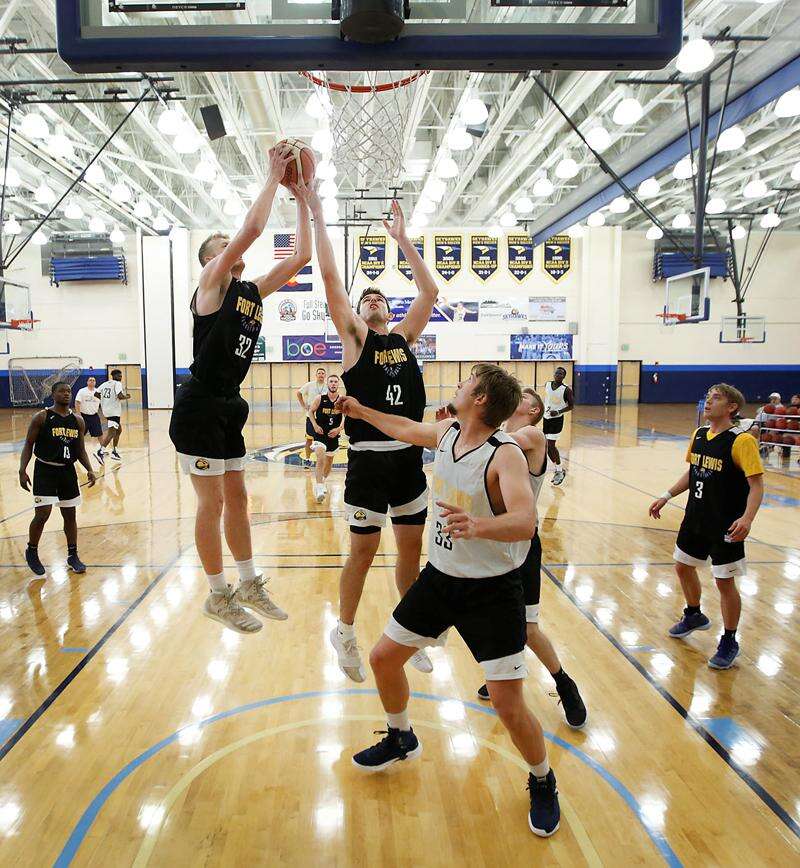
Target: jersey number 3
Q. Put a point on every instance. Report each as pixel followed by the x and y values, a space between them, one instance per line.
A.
pixel 443 539
pixel 394 395
pixel 698 489
pixel 244 345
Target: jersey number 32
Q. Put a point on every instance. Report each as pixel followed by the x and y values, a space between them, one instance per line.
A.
pixel 244 345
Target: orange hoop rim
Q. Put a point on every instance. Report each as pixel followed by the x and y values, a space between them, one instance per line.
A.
pixel 678 317
pixel 363 88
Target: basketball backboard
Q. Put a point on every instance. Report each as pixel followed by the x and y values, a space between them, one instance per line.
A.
pixel 15 306
pixel 293 35
pixel 743 329
pixel 686 299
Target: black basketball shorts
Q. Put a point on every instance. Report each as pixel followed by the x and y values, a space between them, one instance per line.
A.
pixel 55 485
pixel 310 432
pixel 531 575
pixel 552 427
pixel 331 444
pixel 489 615
pixel 381 483
pixel 113 422
pixel 206 430
pixel 694 547
pixel 94 428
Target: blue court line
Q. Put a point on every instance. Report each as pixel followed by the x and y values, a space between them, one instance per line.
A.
pixel 8 726
pixel 88 817
pixel 766 797
pixel 73 650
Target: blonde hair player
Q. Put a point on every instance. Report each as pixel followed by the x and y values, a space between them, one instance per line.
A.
pixel 725 481
pixel 326 423
pixel 209 413
pixel 484 519
pixel 384 476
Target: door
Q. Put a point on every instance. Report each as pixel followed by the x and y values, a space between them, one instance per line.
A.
pixel 628 378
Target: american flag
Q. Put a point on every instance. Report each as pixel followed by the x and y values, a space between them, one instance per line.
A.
pixel 283 245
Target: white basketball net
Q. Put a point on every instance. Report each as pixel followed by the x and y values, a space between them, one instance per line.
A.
pixel 367 113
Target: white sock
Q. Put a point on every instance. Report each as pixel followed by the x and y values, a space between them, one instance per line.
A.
pixel 247 570
pixel 400 721
pixel 540 770
pixel 218 583
pixel 346 631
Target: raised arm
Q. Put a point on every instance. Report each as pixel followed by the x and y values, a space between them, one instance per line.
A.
pixel 397 427
pixel 214 271
pixel 286 269
pixel 352 330
pixel 419 312
pixel 517 523
pixel 27 449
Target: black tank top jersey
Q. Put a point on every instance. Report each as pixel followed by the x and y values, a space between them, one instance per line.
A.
pixel 326 415
pixel 386 377
pixel 224 342
pixel 718 489
pixel 57 441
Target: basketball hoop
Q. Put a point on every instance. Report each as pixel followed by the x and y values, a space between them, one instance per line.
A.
pixel 367 113
pixel 672 318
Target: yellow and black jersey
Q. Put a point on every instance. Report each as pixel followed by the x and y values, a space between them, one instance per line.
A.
pixel 327 415
pixel 57 441
pixel 719 465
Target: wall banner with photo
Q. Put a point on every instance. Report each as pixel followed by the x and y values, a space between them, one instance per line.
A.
pixel 541 347
pixel 424 348
pixel 311 348
pixel 504 310
pixel 453 310
pixel 483 256
pixel 547 307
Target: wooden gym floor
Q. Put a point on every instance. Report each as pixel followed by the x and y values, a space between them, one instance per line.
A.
pixel 138 732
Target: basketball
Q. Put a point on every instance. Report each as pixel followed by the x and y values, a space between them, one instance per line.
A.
pixel 769 408
pixel 793 424
pixel 780 411
pixel 780 423
pixel 792 411
pixel 302 166
pixel 766 437
pixel 791 439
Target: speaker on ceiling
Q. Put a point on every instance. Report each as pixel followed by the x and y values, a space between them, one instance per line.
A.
pixel 212 119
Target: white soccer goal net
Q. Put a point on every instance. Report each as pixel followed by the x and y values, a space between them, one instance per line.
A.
pixel 31 379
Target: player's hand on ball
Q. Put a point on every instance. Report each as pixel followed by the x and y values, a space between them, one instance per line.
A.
pixel 25 480
pixel 739 530
pixel 91 477
pixel 460 524
pixel 656 506
pixel 279 159
pixel 349 407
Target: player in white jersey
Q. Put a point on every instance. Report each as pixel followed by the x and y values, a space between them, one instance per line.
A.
pixel 87 404
pixel 111 394
pixel 483 520
pixel 522 428
pixel 558 400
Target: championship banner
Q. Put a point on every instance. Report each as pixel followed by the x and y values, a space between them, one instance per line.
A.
pixel 520 256
pixel 504 310
pixel 556 255
pixel 372 256
pixel 311 348
pixel 541 347
pixel 483 259
pixel 547 307
pixel 448 255
pixel 424 348
pixel 402 263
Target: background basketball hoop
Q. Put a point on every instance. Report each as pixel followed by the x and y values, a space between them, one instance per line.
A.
pixel 368 114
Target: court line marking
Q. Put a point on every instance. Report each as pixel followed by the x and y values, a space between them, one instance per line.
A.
pixel 88 817
pixel 148 843
pixel 766 797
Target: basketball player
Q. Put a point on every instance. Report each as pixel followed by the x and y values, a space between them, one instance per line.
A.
pixel 55 437
pixel 383 474
pixel 86 405
pixel 558 400
pixel 305 395
pixel 484 518
pixel 111 393
pixel 326 423
pixel 725 481
pixel 523 431
pixel 209 413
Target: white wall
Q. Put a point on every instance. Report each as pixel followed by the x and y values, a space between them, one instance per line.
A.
pixel 97 321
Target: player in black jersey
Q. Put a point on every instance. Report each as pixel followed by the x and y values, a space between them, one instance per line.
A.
pixel 209 413
pixel 326 422
pixel 55 437
pixel 383 475
pixel 725 481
